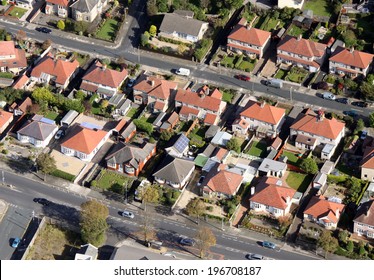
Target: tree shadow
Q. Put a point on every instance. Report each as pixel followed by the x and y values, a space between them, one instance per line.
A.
pixel 20 165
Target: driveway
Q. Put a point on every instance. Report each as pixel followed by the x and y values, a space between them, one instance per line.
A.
pixel 190 192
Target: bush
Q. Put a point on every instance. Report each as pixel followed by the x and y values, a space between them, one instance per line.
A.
pixel 209 208
pixel 4 151
pixel 93 183
pixel 144 126
pixel 336 179
pixel 63 175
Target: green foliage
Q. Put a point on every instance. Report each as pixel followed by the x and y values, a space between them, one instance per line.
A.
pixel 354 188
pixel 153 30
pixel 43 95
pixel 233 144
pixel 195 207
pixel 371 119
pixel 80 95
pixel 343 236
pixel 8 37
pixel 10 94
pixel 350 246
pixel 150 194
pixel 144 38
pixel 349 38
pixel 144 126
pixel 360 124
pixel 3 2
pixel 93 183
pixel 202 49
pixel 46 163
pixel 61 24
pixel 350 84
pixel 166 135
pixel 63 175
pixel 367 88
pixel 309 166
pixel 327 242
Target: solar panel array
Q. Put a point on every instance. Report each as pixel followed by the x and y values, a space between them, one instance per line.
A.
pixel 181 143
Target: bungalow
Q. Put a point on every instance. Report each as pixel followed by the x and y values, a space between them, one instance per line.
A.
pixel 5 119
pixel 248 40
pixel 103 81
pixel 179 148
pixel 221 183
pixel 273 168
pixel 323 211
pixel 38 132
pixel 56 71
pixel 181 26
pixel 84 141
pixel 175 172
pixel 367 164
pixel 301 53
pixel 363 223
pixel 11 59
pixel 310 130
pixel 130 159
pixel 57 7
pixel 264 119
pixel 272 196
pixel 155 92
pixel 351 62
pixel 87 10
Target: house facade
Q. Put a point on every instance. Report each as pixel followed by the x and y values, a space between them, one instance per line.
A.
pixel 130 159
pixel 351 62
pixel 367 164
pixel 156 93
pixel 57 7
pixel 363 223
pixel 264 119
pixel 248 40
pixel 12 60
pixel 87 10
pixel 5 119
pixel 301 53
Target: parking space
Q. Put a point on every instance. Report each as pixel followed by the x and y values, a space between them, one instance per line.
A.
pixel 71 165
pixel 190 192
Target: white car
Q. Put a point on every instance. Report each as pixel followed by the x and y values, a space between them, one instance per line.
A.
pixel 328 95
pixel 128 214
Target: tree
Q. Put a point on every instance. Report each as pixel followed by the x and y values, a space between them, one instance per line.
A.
pixel 93 223
pixel 233 145
pixel 195 207
pixel 21 36
pixel 147 229
pixel 371 119
pixel 104 104
pixel 204 240
pixel 343 236
pixel 327 242
pixel 153 30
pixel 350 38
pixel 144 126
pixel 152 7
pixel 46 44
pixel 43 95
pixel 354 188
pixel 359 126
pixel 80 95
pixel 8 37
pixel 61 24
pixel 150 194
pixel 350 246
pixel 46 163
pixel 309 166
pixel 166 135
pixel 87 106
pixel 115 3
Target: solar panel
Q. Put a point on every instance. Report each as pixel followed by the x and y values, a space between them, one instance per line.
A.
pixel 91 125
pixel 46 120
pixel 182 143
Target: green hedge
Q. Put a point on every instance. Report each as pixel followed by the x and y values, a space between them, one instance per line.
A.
pixel 336 179
pixel 63 175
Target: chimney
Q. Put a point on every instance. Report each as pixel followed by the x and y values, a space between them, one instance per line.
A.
pixel 288 199
pixel 299 37
pixel 262 104
pixel 320 116
pixel 103 67
pixel 337 213
pixel 152 83
pixel 352 49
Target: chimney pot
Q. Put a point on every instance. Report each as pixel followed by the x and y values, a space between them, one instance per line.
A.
pixel 299 37
pixel 152 83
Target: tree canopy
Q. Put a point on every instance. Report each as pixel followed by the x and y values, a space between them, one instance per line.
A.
pixel 195 207
pixel 46 163
pixel 309 166
pixel 204 240
pixel 233 145
pixel 327 242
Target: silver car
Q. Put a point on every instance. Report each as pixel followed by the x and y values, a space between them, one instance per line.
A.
pixel 128 214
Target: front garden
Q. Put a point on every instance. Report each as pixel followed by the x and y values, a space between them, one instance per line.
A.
pixel 239 62
pixel 112 181
pixel 17 12
pixel 295 74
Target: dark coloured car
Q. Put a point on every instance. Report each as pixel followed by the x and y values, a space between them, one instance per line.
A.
pixel 187 242
pixel 43 30
pixel 359 104
pixel 242 77
pixel 268 244
pixel 131 83
pixel 42 201
pixel 351 113
pixel 342 100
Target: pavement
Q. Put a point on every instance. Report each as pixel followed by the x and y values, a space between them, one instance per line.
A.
pixel 3 209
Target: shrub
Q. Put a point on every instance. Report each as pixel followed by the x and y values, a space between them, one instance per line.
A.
pixel 63 175
pixel 93 183
pixel 336 179
pixel 4 151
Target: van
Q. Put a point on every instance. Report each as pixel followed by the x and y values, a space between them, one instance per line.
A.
pixel 276 83
pixel 183 72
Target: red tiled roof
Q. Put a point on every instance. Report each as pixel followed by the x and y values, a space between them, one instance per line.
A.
pixel 4 117
pixel 299 60
pixel 216 94
pixel 83 139
pixel 7 48
pixel 210 118
pixel 270 192
pixel 320 207
pixel 101 75
pixel 355 58
pixel 156 87
pixel 88 87
pixel 221 153
pixel 368 158
pixel 302 47
pixel 241 122
pixel 251 35
pixel 263 112
pixel 223 181
pixel 20 82
pixel 327 128
pixel 159 105
pixel 186 111
pixel 192 98
pixel 25 103
pixel 61 69
pixel 121 124
pixel 64 3
pixel 244 48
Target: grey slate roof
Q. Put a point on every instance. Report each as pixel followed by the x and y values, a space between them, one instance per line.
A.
pixel 84 6
pixel 37 130
pixel 128 130
pixel 174 169
pixel 174 22
pixel 124 104
pixel 212 130
pixel 116 99
pixel 272 165
pixel 125 153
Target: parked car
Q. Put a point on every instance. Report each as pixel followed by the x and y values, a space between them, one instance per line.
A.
pixel 254 257
pixel 59 134
pixel 16 242
pixel 361 104
pixel 242 77
pixel 276 83
pixel 187 242
pixel 200 180
pixel 131 83
pixel 128 214
pixel 351 113
pixel 43 30
pixel 268 244
pixel 364 133
pixel 342 100
pixel 328 96
pixel 42 201
pixel 183 72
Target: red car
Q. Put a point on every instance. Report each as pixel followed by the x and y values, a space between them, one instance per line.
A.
pixel 242 77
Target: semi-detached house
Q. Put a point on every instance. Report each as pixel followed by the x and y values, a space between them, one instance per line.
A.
pixel 367 164
pixel 11 59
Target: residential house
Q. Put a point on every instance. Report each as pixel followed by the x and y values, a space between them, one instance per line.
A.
pixel 266 120
pixel 296 4
pixel 179 148
pixel 127 132
pixel 221 138
pixel 272 196
pixel 56 71
pixel 38 132
pixel 323 211
pixel 170 122
pixel 12 59
pixel 351 62
pixel 175 172
pixel 301 53
pixel 367 164
pixel 84 141
pixel 87 10
pixel 22 82
pixel 155 92
pixel 5 119
pixel 363 223
pixel 130 159
pixel 207 108
pixel 221 183
pixel 272 168
pixel 103 81
pixel 21 109
pixel 310 130
pixel 57 7
pixel 182 27
pixel 248 40
pixel 87 252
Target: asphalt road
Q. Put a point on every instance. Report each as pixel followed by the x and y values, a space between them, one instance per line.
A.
pixel 65 207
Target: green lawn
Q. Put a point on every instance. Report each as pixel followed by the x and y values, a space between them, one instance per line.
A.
pixel 95 108
pixel 108 30
pixel 296 75
pixel 150 119
pixel 257 149
pixel 17 12
pixel 6 75
pixel 227 60
pixel 281 74
pixel 299 181
pixel 132 112
pixel 247 65
pixel 82 59
pixel 109 180
pixel 291 158
pixel 198 133
pixel 295 31
pixel 227 96
pixel 267 23
pixel 51 115
pixel 319 7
